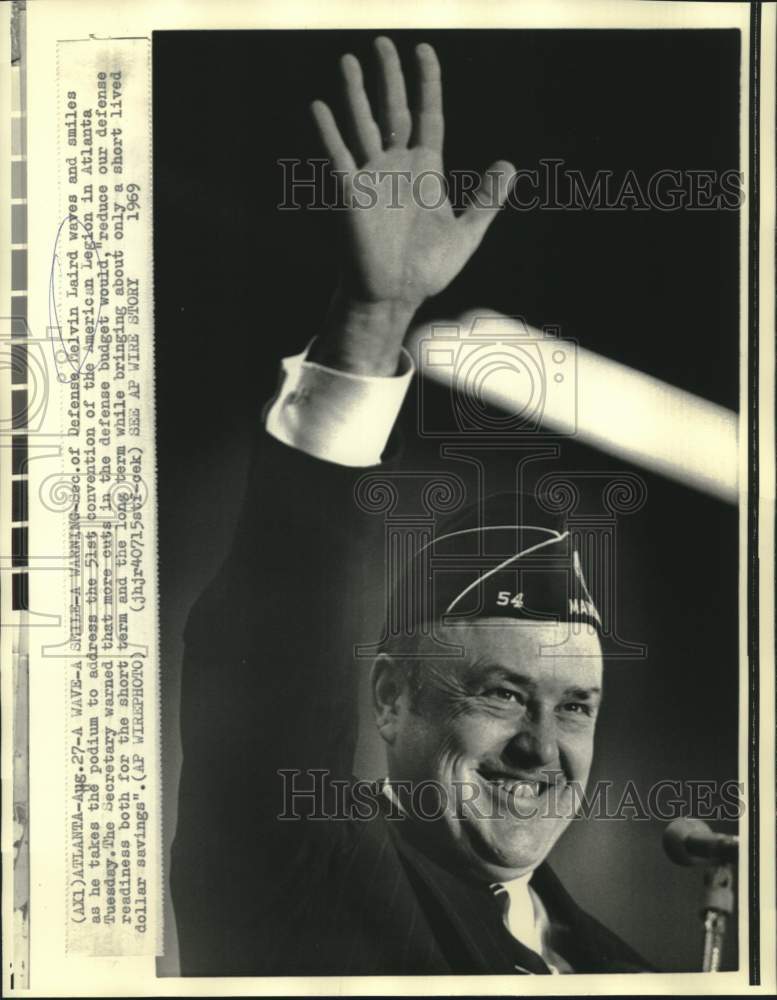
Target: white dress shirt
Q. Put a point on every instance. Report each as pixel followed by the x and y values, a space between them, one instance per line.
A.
pixel 334 415
pixel 527 920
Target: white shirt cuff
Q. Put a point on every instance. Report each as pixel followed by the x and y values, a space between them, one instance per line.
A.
pixel 335 415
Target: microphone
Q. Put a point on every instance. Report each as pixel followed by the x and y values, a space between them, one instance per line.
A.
pixel 692 842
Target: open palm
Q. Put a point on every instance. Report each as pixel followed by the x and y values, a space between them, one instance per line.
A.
pixel 404 242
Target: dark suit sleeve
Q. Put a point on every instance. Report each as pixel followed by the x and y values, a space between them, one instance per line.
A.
pixel 268 684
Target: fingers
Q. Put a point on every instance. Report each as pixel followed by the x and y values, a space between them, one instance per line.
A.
pixel 332 141
pixel 426 125
pixel 429 125
pixel 488 199
pixel 366 133
pixel 395 115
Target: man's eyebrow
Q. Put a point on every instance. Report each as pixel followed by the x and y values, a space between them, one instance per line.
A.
pixel 583 693
pixel 500 670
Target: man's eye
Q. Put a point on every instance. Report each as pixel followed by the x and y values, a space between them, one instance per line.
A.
pixel 578 708
pixel 505 694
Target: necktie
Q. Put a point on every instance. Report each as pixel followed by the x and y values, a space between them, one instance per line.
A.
pixel 522 928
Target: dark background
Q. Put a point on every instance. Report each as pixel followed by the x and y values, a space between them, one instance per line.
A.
pixel 240 284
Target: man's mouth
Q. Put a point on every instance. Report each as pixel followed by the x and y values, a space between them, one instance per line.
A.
pixel 517 786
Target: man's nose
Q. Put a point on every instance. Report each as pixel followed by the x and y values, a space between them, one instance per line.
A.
pixel 535 744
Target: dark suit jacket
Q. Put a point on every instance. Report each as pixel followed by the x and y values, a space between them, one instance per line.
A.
pixel 269 683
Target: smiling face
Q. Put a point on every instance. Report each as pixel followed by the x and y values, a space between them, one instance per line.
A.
pixel 507 732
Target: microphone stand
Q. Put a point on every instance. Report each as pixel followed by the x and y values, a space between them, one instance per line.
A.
pixel 718 904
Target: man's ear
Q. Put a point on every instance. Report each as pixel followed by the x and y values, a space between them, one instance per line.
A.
pixel 389 685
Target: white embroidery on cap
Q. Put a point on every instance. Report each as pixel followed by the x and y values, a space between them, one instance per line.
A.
pixel 493 527
pixel 524 552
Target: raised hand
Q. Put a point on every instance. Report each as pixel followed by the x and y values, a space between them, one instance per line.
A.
pixel 403 242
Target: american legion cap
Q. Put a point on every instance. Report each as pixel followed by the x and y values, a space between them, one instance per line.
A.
pixel 500 557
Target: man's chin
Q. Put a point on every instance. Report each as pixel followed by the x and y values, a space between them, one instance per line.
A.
pixel 506 858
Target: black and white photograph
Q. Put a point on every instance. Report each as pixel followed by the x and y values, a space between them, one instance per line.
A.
pixel 427 608
pixel 387 495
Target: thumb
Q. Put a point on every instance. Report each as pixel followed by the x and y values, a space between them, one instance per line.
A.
pixel 489 198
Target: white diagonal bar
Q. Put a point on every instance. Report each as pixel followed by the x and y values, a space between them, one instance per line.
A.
pixel 619 410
